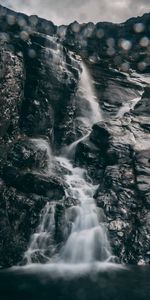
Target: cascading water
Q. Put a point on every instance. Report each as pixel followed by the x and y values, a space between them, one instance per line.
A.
pixel 87 242
pixel 87 104
pixel 88 239
pixel 41 246
pixel 88 110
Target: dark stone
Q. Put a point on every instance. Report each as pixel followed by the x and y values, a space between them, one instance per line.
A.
pixel 89 156
pixel 50 187
pixel 143 106
pixel 19 217
pixel 142 171
pixel 11 87
pixel 51 82
pixel 100 135
pixel 27 154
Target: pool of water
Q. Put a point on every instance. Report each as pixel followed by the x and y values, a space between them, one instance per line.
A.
pixel 90 284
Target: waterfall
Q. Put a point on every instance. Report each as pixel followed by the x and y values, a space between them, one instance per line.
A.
pixel 87 241
pixel 88 109
pixel 41 246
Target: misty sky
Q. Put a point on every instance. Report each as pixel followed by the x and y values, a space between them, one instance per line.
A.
pixel 66 11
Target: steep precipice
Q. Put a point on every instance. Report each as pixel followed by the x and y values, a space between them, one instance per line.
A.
pixel 41 69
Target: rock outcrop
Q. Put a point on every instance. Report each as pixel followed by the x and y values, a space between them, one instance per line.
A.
pixel 40 69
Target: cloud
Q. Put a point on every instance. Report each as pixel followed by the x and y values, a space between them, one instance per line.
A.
pixel 66 11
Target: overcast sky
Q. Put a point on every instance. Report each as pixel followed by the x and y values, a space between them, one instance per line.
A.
pixel 66 11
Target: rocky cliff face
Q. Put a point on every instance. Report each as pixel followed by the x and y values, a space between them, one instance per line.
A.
pixel 40 68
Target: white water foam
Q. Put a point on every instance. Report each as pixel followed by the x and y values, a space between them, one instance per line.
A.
pixel 88 240
pixel 69 271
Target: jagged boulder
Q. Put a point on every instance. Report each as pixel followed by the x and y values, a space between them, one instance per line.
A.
pixel 143 106
pixel 30 154
pixel 19 217
pixel 88 155
pixel 11 86
pixel 48 186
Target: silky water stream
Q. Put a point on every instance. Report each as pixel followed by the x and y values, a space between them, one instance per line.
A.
pixel 87 241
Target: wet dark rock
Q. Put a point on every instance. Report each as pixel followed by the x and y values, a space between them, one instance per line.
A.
pixel 89 156
pixel 51 82
pixel 143 106
pixel 48 186
pixel 100 135
pixel 11 86
pixel 142 169
pixel 69 202
pixel 26 154
pixel 113 88
pixel 19 216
